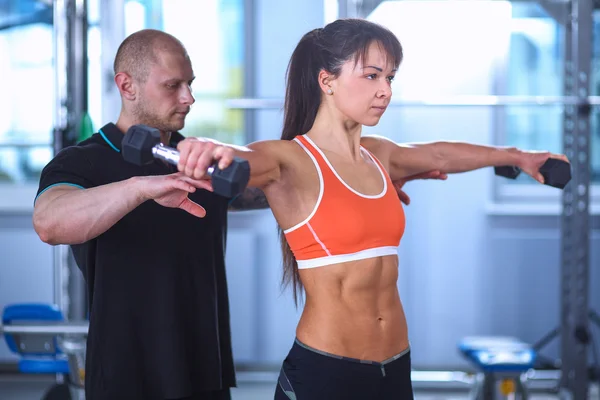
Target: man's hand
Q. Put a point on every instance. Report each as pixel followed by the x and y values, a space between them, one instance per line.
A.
pixel 196 155
pixel 398 184
pixel 172 191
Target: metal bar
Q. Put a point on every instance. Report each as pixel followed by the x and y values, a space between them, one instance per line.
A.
pixel 21 144
pixel 61 122
pixel 47 328
pixel 61 278
pixel 348 8
pixel 444 101
pixel 366 7
pixel 556 9
pixel 73 289
pixel 575 227
pixel 77 78
pixel 60 72
pixel 249 67
pixel 343 9
pixel 546 339
pixel 594 317
pixel 112 28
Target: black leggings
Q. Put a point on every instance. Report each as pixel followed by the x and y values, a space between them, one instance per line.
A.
pixel 310 374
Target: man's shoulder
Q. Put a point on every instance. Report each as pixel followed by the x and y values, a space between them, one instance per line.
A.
pixel 93 144
pixel 85 151
pixel 88 146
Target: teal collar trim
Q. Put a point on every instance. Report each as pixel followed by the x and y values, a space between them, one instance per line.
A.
pixel 115 148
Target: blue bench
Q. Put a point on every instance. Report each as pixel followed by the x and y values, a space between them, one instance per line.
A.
pixel 40 354
pixel 501 363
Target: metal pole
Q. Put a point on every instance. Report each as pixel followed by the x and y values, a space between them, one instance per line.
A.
pixel 71 80
pixel 342 8
pixel 78 22
pixel 112 27
pixel 249 67
pixel 442 101
pixel 60 72
pixel 575 219
pixel 60 27
pixel 47 328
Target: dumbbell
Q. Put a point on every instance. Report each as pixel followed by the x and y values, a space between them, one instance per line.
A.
pixel 556 172
pixel 141 145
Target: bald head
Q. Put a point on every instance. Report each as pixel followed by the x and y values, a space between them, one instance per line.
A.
pixel 140 50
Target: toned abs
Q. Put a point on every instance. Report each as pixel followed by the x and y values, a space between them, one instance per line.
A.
pixel 354 309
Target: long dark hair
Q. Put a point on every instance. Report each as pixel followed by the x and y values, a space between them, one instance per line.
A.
pixel 328 49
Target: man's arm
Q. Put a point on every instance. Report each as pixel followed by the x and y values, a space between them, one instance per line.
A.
pixel 251 199
pixel 68 215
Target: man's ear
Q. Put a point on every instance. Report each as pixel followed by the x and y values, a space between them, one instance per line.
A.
pixel 325 82
pixel 126 85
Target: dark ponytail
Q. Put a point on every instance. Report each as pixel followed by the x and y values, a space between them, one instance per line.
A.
pixel 302 100
pixel 326 49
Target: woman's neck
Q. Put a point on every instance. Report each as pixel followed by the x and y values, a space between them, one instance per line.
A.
pixel 337 134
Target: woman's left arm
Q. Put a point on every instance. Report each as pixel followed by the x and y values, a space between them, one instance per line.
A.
pixel 452 157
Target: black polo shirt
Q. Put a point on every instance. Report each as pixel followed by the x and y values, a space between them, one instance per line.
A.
pixel 159 313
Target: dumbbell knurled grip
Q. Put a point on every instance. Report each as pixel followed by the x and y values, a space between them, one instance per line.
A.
pixel 170 155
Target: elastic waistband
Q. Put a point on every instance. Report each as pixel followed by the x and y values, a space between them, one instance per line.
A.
pixel 324 353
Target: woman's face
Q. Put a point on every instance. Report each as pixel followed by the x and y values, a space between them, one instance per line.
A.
pixel 362 91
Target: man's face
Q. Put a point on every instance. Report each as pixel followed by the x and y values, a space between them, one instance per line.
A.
pixel 166 96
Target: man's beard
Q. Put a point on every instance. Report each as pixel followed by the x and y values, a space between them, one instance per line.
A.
pixel 146 117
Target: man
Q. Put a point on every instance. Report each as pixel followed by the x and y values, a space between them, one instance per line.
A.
pixel 159 314
pixel 159 318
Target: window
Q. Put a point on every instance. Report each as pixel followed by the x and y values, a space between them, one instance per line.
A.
pixel 518 50
pixel 535 66
pixel 330 10
pixel 213 33
pixel 28 97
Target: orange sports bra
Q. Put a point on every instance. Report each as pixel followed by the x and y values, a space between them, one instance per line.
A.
pixel 345 225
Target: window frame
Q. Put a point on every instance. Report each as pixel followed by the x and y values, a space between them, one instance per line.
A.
pixel 509 198
pixel 19 197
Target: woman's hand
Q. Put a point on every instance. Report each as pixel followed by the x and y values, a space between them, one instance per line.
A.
pixel 532 161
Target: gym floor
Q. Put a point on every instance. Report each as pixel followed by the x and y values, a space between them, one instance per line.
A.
pixel 21 387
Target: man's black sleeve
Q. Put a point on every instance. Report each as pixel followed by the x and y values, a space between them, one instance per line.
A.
pixel 69 167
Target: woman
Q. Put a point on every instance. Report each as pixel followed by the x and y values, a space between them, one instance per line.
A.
pixel 331 193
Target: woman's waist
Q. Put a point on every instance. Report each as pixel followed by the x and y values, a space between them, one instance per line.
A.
pixel 373 334
pixel 301 348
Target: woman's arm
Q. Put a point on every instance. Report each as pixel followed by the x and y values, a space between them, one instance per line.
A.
pixel 196 155
pixel 453 157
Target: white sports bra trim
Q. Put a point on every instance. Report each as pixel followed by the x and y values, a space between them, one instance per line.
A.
pixel 376 196
pixel 340 258
pixel 321 188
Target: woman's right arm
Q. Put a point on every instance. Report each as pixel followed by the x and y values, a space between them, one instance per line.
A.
pixel 266 158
